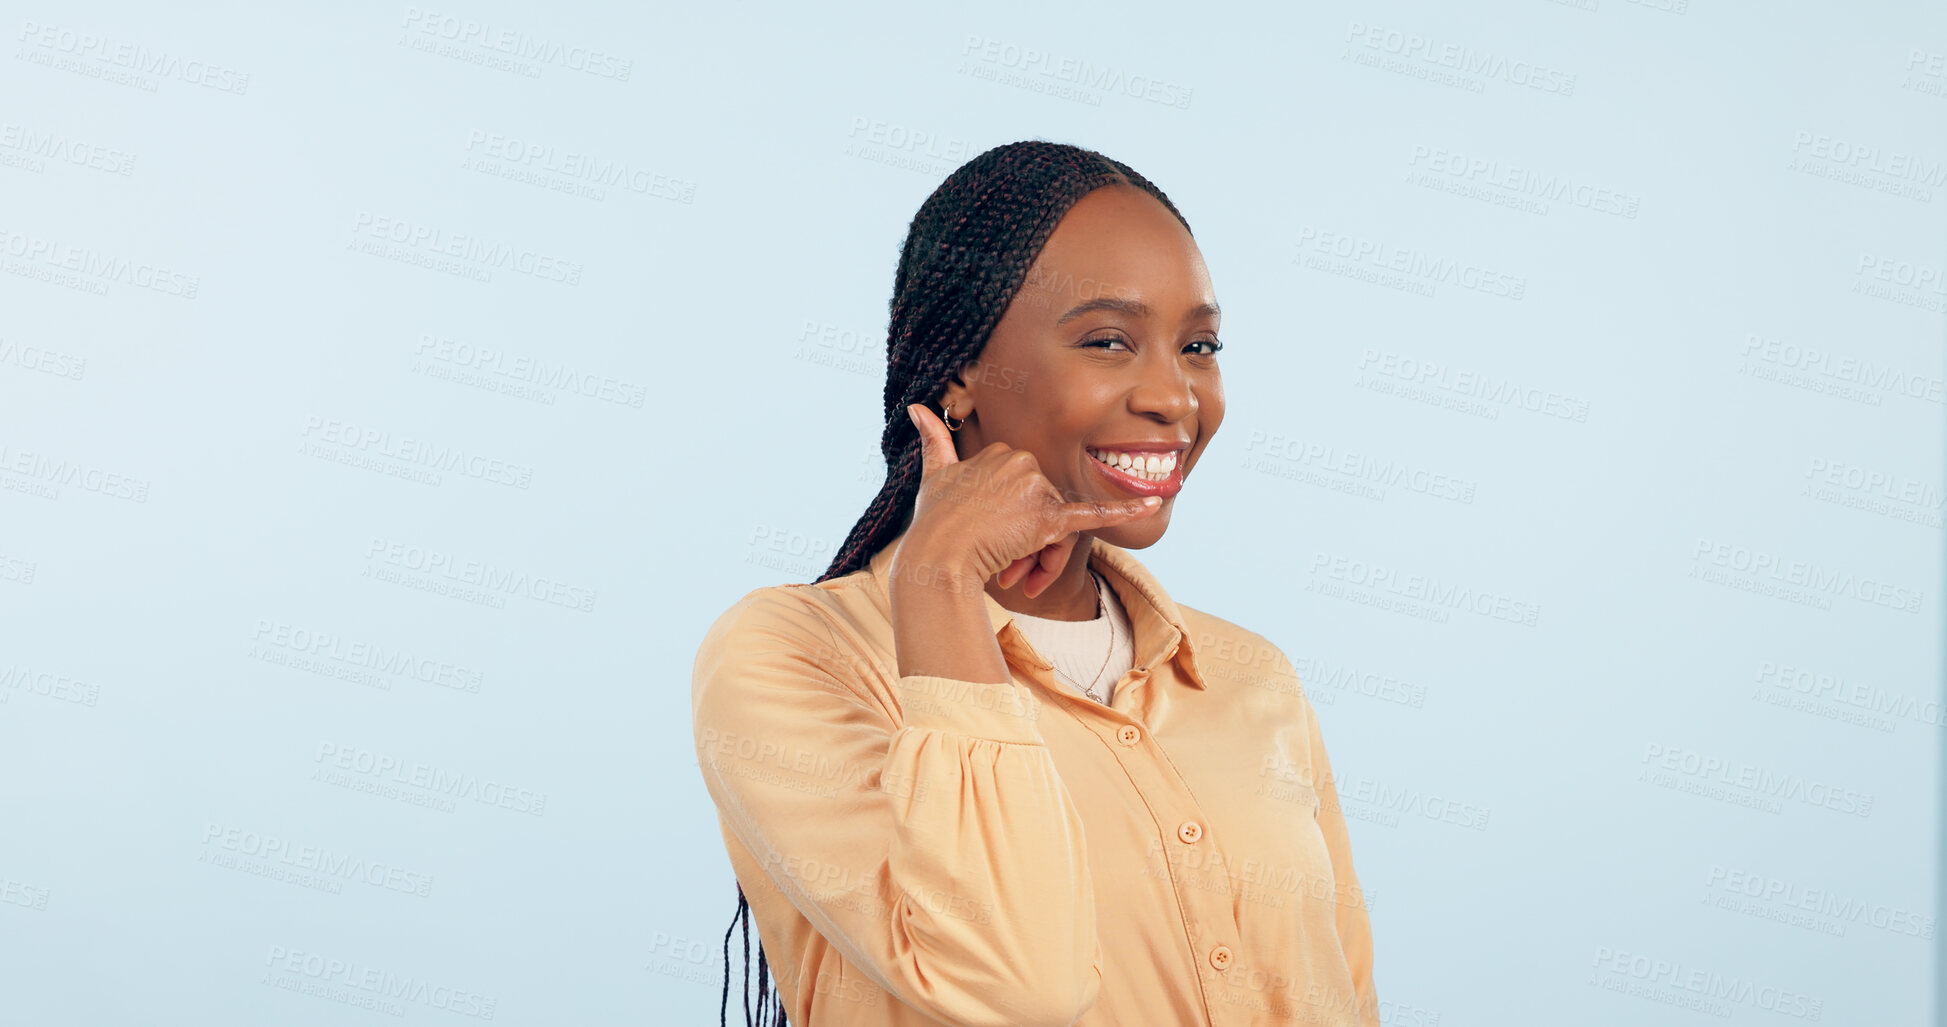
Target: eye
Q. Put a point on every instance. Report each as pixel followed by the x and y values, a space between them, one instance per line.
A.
pixel 1104 340
pixel 1216 346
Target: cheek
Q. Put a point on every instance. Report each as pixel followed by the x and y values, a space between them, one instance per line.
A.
pixel 1214 412
pixel 1210 412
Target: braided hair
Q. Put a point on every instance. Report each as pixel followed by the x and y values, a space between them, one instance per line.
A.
pixel 967 253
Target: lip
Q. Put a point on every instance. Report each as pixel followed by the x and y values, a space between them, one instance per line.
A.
pixel 1166 488
pixel 1145 446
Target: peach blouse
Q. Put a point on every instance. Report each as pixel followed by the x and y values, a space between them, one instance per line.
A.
pixel 926 850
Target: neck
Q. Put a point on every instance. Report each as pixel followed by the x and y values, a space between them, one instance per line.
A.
pixel 1072 596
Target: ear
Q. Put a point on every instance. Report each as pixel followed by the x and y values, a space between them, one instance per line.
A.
pixel 958 396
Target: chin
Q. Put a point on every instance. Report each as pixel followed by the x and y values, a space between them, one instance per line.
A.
pixel 1140 535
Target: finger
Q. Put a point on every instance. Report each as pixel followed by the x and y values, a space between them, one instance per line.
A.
pixel 1013 572
pixel 1085 516
pixel 935 442
pixel 1048 564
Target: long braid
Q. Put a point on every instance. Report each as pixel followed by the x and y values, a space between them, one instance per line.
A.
pixel 966 254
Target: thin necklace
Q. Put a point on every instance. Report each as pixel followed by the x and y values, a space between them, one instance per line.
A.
pixel 1101 610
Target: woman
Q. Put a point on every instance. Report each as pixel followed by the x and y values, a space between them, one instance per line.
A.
pixel 985 770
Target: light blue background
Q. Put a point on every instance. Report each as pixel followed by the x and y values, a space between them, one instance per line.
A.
pixel 153 731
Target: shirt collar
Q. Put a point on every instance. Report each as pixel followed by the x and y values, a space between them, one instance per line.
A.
pixel 1153 616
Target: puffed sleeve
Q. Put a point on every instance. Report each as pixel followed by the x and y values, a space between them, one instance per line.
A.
pixel 948 807
pixel 1349 907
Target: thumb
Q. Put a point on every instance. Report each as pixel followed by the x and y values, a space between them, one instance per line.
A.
pixel 935 442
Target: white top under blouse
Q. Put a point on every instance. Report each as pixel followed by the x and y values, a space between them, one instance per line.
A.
pixel 1077 647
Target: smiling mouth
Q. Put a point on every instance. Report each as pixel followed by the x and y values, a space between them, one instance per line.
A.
pixel 1142 474
pixel 1149 467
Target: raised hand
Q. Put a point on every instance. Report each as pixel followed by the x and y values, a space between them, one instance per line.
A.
pixel 999 513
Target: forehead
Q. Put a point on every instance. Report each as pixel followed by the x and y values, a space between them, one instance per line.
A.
pixel 1120 241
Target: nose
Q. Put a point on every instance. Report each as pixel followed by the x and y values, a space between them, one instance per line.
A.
pixel 1164 389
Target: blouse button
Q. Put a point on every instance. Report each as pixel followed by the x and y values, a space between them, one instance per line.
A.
pixel 1127 734
pixel 1190 832
pixel 1220 957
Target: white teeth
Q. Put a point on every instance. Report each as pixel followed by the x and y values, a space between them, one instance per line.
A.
pixel 1150 467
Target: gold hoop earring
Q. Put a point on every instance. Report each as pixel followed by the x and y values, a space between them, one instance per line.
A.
pixel 947 416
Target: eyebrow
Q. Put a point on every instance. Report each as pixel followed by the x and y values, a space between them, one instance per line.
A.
pixel 1135 308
